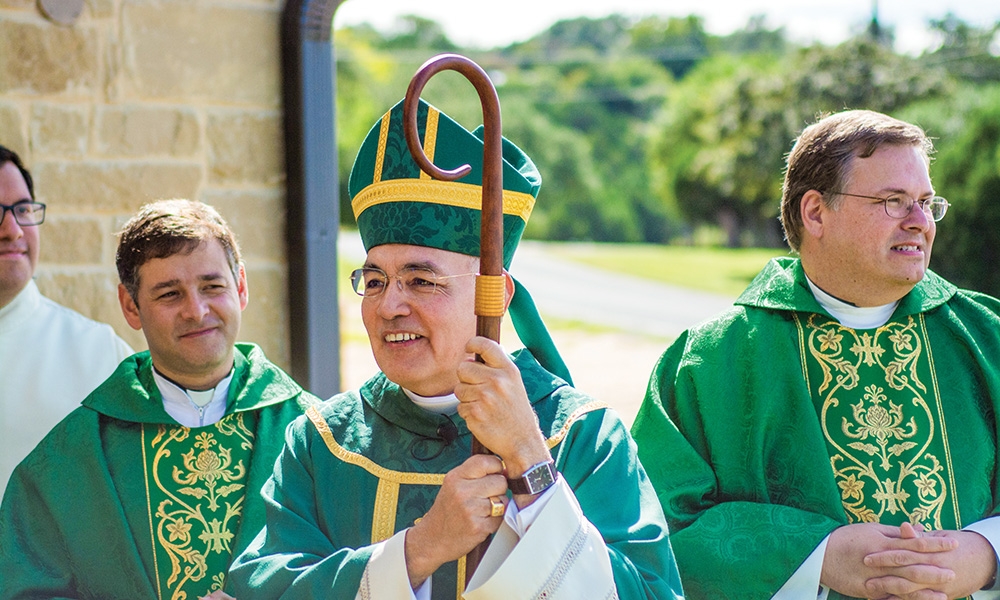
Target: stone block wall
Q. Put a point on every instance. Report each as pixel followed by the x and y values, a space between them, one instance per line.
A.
pixel 139 100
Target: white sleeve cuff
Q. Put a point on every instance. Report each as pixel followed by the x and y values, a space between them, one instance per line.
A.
pixel 520 520
pixel 385 575
pixel 989 528
pixel 562 556
pixel 804 582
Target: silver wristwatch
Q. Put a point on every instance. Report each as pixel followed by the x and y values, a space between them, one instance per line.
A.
pixel 535 480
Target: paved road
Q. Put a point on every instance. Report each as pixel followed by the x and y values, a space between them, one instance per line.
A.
pixel 576 292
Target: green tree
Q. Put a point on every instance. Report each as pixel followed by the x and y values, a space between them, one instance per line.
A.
pixel 711 153
pixel 729 124
pixel 967 52
pixel 643 128
pixel 678 44
pixel 966 170
pixel 755 38
pixel 573 40
pixel 417 33
pixel 579 99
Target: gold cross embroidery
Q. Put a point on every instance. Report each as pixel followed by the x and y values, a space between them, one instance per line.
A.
pixel 868 348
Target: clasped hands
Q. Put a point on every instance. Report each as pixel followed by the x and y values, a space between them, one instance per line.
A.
pixel 871 560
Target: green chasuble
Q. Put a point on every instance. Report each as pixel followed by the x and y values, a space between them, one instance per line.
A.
pixel 119 501
pixel 770 425
pixel 368 463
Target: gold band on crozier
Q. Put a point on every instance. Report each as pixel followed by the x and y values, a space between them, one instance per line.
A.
pixel 489 295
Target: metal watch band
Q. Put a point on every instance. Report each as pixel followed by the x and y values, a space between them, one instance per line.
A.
pixel 535 480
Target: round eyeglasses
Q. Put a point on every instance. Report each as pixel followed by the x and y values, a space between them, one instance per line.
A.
pixel 25 213
pixel 899 207
pixel 371 282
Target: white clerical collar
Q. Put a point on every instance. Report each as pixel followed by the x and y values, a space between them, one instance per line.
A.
pixel 442 405
pixel 855 317
pixel 193 408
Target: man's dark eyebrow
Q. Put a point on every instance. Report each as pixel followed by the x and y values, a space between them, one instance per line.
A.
pixel 172 282
pixel 422 265
pixel 886 192
pixel 164 284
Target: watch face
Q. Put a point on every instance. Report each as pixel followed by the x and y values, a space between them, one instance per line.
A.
pixel 539 478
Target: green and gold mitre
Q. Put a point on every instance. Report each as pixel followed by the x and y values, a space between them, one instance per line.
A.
pixel 395 202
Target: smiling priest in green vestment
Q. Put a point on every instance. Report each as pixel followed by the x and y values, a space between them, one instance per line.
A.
pixel 151 487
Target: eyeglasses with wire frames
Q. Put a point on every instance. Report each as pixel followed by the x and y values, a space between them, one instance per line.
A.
pixel 25 213
pixel 370 282
pixel 899 207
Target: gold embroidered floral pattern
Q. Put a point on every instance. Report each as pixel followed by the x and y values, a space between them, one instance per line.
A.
pixel 209 468
pixel 884 426
pixel 195 483
pixel 880 423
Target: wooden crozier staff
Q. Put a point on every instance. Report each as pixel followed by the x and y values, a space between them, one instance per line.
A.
pixel 490 281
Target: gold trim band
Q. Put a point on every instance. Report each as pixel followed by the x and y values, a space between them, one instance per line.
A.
pixel 383 135
pixel 430 137
pixel 387 493
pixel 423 478
pixel 366 463
pixel 941 419
pixel 461 576
pixel 149 507
pixel 384 515
pixel 432 191
pixel 553 441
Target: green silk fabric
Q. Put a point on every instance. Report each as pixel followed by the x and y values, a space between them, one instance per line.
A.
pixel 321 507
pixel 446 227
pixel 76 518
pixel 731 433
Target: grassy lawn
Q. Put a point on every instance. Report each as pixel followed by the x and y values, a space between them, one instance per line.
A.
pixel 720 270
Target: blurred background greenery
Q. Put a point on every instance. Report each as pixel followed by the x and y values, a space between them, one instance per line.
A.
pixel 652 131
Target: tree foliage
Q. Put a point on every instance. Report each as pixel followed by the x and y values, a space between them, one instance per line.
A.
pixel 969 53
pixel 728 126
pixel 645 129
pixel 966 170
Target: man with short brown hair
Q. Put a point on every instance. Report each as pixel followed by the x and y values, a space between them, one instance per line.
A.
pixel 836 429
pixel 151 487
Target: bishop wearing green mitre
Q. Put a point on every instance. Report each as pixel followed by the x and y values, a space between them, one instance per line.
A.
pixel 375 494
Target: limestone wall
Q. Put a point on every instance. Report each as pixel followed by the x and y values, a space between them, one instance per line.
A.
pixel 139 100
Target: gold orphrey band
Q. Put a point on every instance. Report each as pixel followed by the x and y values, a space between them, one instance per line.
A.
pixel 489 295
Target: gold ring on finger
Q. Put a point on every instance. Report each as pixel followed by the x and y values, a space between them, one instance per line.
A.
pixel 496 507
